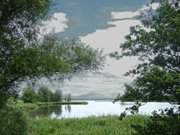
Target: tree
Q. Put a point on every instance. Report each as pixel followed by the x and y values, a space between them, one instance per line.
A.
pixel 44 94
pixel 17 33
pixel 158 48
pixel 68 98
pixel 157 44
pixel 29 95
pixel 57 96
pixel 12 120
pixel 23 57
pixel 17 22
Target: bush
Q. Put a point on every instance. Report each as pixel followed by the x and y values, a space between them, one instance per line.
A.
pixel 159 125
pixel 12 121
pixel 44 94
pixel 29 95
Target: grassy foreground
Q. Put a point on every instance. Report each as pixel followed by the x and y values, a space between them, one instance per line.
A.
pixel 109 125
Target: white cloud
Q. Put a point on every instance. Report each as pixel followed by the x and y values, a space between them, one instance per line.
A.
pixel 111 82
pixel 55 24
pixel 124 15
pixel 110 39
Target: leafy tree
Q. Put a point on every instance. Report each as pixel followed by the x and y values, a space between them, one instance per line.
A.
pixel 12 120
pixel 157 44
pixel 17 27
pixel 44 94
pixel 159 125
pixel 57 96
pixel 29 95
pixel 17 33
pixel 23 57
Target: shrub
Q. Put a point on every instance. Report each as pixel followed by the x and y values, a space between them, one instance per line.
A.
pixel 159 125
pixel 44 94
pixel 29 95
pixel 12 121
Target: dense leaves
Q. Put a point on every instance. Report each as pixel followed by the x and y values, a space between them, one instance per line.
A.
pixel 46 95
pixel 24 57
pixel 157 44
pixel 12 120
pixel 46 59
pixel 43 94
pixel 154 85
pixel 29 95
pixel 159 125
pixel 17 27
pixel 158 47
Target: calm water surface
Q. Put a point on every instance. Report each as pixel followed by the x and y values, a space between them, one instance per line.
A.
pixel 96 108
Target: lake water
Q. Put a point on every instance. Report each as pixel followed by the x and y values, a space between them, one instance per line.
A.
pixel 96 108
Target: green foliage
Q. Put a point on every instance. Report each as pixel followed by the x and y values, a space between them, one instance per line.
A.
pixel 159 125
pixel 12 121
pixel 158 48
pixel 11 9
pixel 154 85
pixel 17 28
pixel 157 45
pixel 49 58
pixel 29 95
pixel 85 126
pixel 43 94
pixel 178 95
pixel 131 94
pixel 23 57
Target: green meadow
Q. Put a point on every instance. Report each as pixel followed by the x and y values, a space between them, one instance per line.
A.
pixel 107 125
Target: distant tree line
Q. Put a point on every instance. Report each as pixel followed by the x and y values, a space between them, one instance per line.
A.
pixel 43 94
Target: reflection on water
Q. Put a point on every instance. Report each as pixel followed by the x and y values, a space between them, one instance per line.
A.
pixel 46 111
pixel 96 108
pixel 68 108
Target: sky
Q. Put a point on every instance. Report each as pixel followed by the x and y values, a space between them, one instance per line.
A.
pixel 102 24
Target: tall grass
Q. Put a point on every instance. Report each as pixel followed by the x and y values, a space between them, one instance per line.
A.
pixel 109 125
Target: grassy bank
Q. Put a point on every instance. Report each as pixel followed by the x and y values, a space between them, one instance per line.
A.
pixel 109 125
